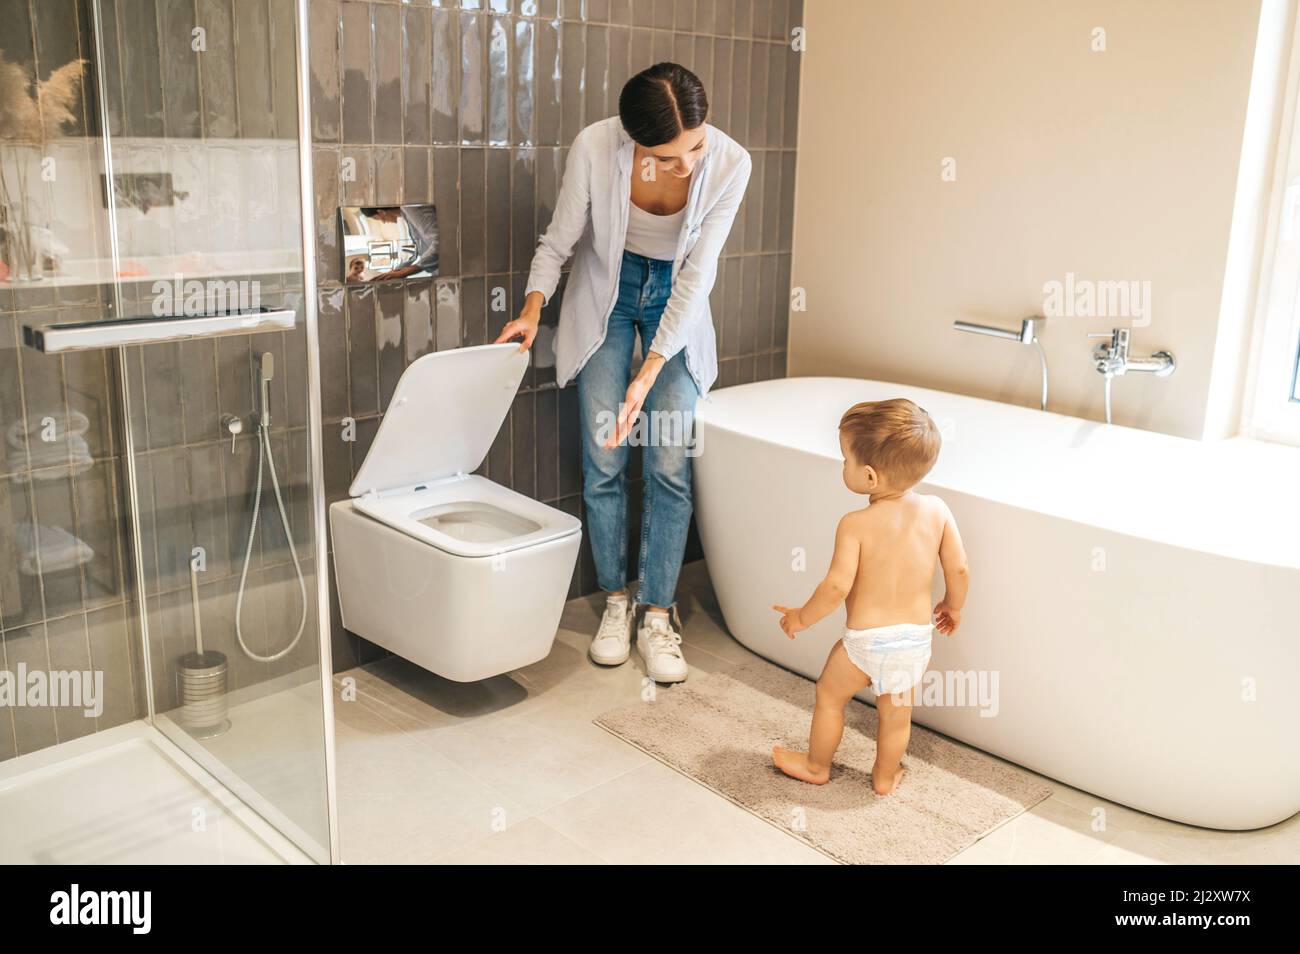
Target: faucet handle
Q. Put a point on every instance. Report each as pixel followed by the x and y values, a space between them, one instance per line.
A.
pixel 234 426
pixel 1118 338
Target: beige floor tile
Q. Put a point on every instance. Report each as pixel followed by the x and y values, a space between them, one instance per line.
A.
pixel 535 763
pixel 1130 837
pixel 425 699
pixel 1052 832
pixel 367 717
pixel 654 815
pixel 567 688
pixel 400 803
pixel 1142 838
pixel 531 842
pixel 1184 845
pixel 703 629
pixel 1111 814
pixel 1276 845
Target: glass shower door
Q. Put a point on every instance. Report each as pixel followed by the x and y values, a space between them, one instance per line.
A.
pixel 172 514
pixel 201 143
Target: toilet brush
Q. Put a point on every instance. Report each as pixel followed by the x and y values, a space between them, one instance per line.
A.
pixel 201 680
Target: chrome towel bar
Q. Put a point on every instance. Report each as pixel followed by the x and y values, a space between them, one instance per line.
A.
pixel 125 332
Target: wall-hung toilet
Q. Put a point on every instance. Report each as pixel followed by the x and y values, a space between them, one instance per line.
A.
pixel 458 574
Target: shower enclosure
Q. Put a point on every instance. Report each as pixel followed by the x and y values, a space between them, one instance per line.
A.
pixel 165 690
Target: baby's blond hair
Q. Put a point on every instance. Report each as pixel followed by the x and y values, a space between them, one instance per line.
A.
pixel 896 437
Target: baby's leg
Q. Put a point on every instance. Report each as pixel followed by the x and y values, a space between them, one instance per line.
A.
pixel 839 681
pixel 894 712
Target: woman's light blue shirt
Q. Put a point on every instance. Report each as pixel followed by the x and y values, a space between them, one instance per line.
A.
pixel 590 223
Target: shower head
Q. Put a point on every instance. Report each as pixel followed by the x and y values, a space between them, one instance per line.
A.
pixel 265 372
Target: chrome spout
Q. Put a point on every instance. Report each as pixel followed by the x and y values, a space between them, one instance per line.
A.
pixel 1027 335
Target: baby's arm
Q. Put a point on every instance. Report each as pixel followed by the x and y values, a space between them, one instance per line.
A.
pixel 832 590
pixel 956 577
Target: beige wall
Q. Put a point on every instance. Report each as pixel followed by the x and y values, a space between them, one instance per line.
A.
pixel 1112 166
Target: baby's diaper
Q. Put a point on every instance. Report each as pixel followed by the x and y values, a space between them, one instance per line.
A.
pixel 894 657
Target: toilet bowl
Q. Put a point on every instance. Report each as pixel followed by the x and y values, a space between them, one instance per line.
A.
pixel 458 574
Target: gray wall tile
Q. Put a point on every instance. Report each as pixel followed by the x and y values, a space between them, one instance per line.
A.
pixel 217 71
pixel 524 92
pixel 323 64
pixel 416 66
pixel 596 73
pixel 498 211
pixel 549 83
pixel 446 195
pixel 498 78
pixel 448 316
pixel 416 181
pixel 179 68
pixel 390 307
pixel 358 105
pixel 523 206
pixel 284 74
pixel 473 211
pixel 473 311
pixel 573 54
pixel 473 78
pixel 445 67
pixel 253 70
pixel 389 111
pixel 363 366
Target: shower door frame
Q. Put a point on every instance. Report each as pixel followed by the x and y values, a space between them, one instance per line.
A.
pixel 314 415
pixel 320 539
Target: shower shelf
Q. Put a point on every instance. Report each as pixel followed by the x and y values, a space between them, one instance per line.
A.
pixel 125 332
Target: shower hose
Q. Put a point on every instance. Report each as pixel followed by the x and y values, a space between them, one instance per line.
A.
pixel 264 456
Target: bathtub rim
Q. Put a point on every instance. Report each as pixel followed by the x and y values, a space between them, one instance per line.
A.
pixel 927 484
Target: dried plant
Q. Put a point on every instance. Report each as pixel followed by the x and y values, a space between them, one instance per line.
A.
pixel 31 113
pixel 19 114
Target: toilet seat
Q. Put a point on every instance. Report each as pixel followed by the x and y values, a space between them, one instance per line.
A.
pixel 444 414
pixel 470 516
pixel 435 563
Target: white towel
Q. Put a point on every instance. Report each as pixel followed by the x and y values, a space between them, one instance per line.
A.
pixel 56 548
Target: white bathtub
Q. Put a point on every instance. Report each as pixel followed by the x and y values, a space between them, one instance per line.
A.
pixel 1136 596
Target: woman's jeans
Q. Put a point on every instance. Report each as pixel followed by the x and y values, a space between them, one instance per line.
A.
pixel 665 435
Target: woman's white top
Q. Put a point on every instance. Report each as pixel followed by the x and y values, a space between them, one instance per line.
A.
pixel 591 222
pixel 652 235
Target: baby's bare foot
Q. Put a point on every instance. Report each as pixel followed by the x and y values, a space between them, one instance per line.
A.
pixel 795 764
pixel 886 786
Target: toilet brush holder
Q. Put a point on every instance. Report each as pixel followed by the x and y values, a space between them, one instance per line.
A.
pixel 201 689
pixel 201 679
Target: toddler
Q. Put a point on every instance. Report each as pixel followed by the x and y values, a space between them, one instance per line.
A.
pixel 884 562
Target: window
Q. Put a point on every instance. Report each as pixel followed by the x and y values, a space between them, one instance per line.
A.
pixel 1272 405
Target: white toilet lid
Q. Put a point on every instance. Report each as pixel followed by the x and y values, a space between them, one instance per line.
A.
pixel 443 417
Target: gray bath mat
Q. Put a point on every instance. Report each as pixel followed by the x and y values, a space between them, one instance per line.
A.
pixel 719 729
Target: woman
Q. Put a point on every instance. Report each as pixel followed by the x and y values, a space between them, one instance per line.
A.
pixel 647 201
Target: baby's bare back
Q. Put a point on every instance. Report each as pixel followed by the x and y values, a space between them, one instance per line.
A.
pixel 898 551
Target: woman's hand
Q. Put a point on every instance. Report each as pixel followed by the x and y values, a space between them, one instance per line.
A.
pixel 525 326
pixel 636 395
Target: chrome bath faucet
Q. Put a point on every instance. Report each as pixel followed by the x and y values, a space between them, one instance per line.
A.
pixel 1113 359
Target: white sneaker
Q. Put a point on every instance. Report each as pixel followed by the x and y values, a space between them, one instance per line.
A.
pixel 613 641
pixel 661 647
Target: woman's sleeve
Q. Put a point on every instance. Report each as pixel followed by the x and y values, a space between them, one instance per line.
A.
pixel 695 278
pixel 568 222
